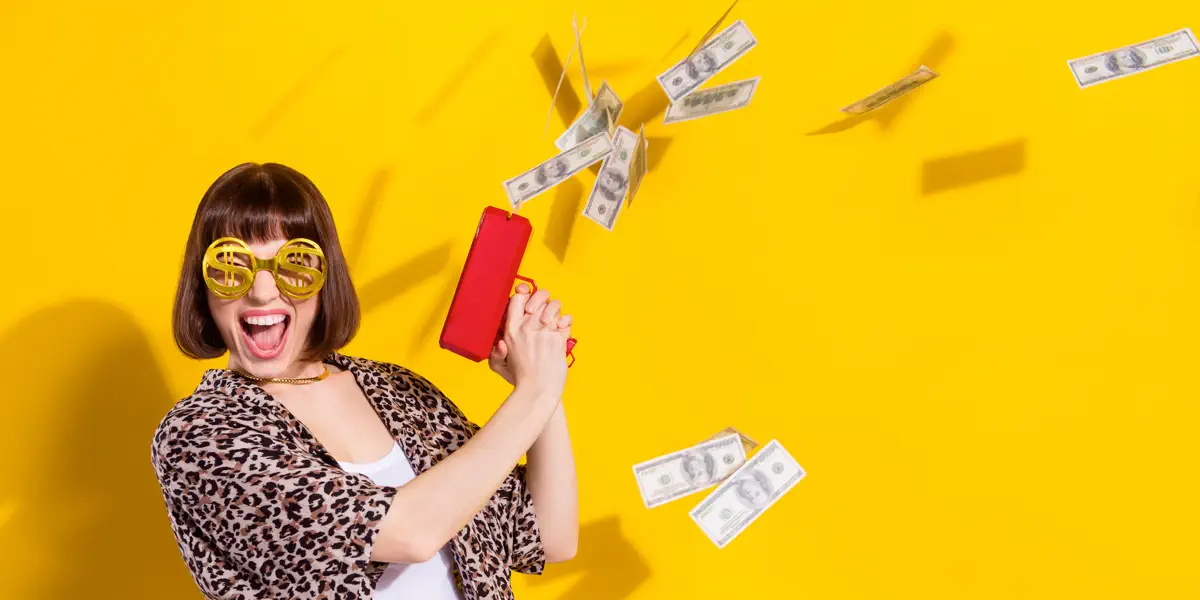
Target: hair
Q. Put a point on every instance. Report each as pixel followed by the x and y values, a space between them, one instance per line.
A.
pixel 258 203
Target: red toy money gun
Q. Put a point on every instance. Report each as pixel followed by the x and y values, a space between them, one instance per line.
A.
pixel 476 319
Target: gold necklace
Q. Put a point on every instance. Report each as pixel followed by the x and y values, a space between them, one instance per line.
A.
pixel 293 380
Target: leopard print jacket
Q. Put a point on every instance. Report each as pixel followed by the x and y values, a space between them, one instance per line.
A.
pixel 261 510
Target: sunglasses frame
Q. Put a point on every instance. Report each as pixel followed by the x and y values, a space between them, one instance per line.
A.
pixel 228 246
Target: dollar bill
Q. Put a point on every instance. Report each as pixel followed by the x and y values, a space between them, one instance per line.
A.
pixel 556 170
pixel 720 52
pixel 747 443
pixel 747 494
pixel 909 83
pixel 638 168
pixel 599 117
pixel 719 99
pixel 608 193
pixel 1115 64
pixel 685 472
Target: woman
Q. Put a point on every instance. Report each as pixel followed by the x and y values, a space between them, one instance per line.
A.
pixel 299 472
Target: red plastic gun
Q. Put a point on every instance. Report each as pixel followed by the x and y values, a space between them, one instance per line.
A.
pixel 476 318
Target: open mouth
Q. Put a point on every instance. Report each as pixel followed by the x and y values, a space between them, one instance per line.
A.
pixel 266 335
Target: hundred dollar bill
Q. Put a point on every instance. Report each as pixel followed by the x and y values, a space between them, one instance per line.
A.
pixel 720 52
pixel 891 92
pixel 1102 67
pixel 600 116
pixel 685 472
pixel 747 494
pixel 747 443
pixel 638 168
pixel 556 170
pixel 711 101
pixel 608 193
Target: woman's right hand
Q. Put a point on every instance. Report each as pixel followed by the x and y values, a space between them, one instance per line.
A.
pixel 535 340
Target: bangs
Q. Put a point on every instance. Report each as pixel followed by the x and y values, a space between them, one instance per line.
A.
pixel 258 208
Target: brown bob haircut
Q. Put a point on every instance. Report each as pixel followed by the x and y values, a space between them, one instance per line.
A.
pixel 259 203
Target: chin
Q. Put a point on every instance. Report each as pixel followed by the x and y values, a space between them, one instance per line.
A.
pixel 271 360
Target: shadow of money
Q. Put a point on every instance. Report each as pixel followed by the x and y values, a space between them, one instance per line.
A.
pixel 607 567
pixel 75 441
pixel 675 47
pixel 655 151
pixel 644 106
pixel 969 168
pixel 362 226
pixel 295 93
pixel 550 67
pixel 455 81
pixel 885 116
pixel 400 279
pixel 568 203
pixel 437 315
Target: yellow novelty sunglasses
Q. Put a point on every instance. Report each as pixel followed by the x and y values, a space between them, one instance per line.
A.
pixel 229 267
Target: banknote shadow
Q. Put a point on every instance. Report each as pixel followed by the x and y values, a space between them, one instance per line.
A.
pixel 366 214
pixel 669 53
pixel 402 278
pixel 568 200
pixel 885 116
pixel 656 149
pixel 550 67
pixel 941 174
pixel 607 566
pixel 606 70
pixel 297 91
pixel 455 81
pixel 75 449
pixel 644 106
pixel 437 316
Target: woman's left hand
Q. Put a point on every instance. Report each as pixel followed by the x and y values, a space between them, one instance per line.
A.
pixel 498 359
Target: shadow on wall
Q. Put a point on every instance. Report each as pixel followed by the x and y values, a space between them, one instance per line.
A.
pixel 970 168
pixel 607 566
pixel 87 517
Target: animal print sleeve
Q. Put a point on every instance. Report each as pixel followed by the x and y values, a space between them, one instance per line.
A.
pixel 528 553
pixel 274 519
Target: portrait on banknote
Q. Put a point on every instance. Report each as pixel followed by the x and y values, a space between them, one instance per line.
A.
pixel 551 171
pixel 754 490
pixel 611 184
pixel 699 468
pixel 1124 61
pixel 701 65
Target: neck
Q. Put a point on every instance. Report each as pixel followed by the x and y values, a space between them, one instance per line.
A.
pixel 299 369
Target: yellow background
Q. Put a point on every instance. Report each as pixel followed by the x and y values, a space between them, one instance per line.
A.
pixel 971 316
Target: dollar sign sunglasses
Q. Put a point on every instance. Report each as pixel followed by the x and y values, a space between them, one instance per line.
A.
pixel 229 267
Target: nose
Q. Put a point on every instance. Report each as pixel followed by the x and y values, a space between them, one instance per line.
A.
pixel 264 289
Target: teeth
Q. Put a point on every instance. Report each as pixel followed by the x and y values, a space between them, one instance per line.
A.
pixel 264 320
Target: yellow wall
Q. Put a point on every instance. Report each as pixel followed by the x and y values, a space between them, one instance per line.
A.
pixel 971 316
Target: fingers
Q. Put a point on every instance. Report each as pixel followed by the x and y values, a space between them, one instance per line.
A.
pixel 522 288
pixel 534 308
pixel 516 307
pixel 565 321
pixel 500 351
pixel 537 301
pixel 550 313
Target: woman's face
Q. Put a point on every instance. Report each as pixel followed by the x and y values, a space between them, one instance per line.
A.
pixel 264 330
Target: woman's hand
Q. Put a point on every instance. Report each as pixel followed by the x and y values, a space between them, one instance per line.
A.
pixel 533 351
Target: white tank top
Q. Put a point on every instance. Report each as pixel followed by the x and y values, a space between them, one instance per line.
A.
pixel 430 580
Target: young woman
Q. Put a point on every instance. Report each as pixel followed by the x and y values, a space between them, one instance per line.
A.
pixel 299 472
